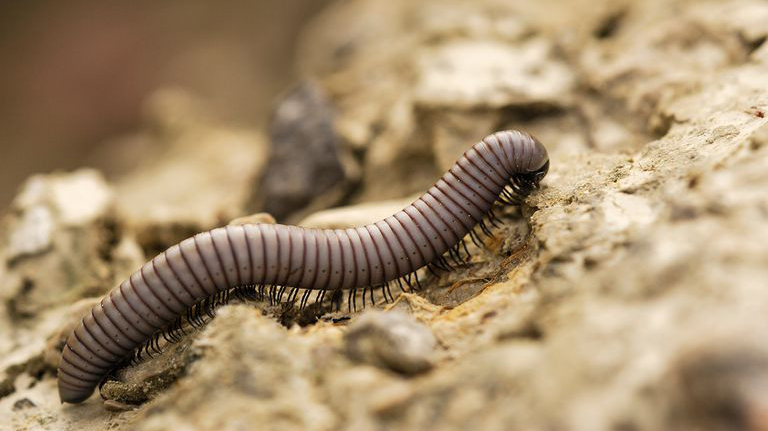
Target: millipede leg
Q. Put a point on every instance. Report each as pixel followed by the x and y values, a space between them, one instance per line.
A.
pixel 492 219
pixel 336 298
pixel 485 229
pixel 445 264
pixel 292 295
pixel 373 300
pixel 386 291
pixel 475 239
pixel 408 282
pixel 304 299
pixel 400 285
pixel 464 245
pixel 455 256
pixel 320 296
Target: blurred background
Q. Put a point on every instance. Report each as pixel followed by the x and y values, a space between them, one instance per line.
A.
pixel 76 73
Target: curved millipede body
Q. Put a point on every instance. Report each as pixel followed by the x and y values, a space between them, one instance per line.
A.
pixel 505 166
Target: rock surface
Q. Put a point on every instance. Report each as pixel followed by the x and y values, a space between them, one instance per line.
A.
pixel 628 293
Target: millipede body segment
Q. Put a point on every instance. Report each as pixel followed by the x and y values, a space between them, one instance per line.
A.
pixel 504 166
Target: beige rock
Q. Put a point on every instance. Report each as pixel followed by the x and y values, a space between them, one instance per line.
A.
pixel 202 176
pixel 354 216
pixel 488 73
pixel 265 379
pixel 56 234
pixel 253 218
pixel 46 202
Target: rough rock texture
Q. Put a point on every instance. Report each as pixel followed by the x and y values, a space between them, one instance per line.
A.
pixel 197 173
pixel 629 293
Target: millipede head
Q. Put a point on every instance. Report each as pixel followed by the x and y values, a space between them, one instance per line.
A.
pixel 526 160
pixel 525 183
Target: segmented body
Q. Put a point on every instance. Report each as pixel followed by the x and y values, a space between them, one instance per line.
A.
pixel 314 259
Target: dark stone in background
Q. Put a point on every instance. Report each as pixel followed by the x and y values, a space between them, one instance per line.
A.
pixel 304 162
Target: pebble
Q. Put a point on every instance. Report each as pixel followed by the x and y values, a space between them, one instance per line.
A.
pixel 393 340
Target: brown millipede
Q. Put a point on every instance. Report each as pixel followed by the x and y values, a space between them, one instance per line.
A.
pixel 245 260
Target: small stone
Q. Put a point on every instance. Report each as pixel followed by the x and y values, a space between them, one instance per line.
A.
pixel 305 157
pixel 117 406
pixel 23 403
pixel 33 233
pixel 392 341
pixel 390 398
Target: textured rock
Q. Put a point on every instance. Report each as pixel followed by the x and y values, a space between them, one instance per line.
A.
pixel 58 238
pixel 490 74
pixel 268 380
pixel 135 385
pixel 198 174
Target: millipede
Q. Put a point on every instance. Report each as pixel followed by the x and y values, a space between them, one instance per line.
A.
pixel 270 260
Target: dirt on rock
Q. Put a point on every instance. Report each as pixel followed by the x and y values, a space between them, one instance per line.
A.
pixel 628 293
